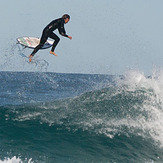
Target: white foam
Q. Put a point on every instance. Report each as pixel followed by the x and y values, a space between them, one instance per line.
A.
pixel 153 105
pixel 15 160
pixel 148 123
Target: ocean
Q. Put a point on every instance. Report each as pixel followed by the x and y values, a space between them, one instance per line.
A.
pixel 81 118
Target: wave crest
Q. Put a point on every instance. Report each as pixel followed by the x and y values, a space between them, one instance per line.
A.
pixel 133 106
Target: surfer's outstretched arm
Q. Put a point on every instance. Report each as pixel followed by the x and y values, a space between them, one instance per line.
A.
pixel 61 29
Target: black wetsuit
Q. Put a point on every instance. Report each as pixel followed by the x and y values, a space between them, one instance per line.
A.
pixel 48 32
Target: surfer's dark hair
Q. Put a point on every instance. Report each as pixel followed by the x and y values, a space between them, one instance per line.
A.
pixel 65 16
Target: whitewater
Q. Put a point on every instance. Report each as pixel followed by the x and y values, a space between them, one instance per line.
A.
pixel 52 117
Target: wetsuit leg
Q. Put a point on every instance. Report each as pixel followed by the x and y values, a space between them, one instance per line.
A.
pixel 56 38
pixel 43 39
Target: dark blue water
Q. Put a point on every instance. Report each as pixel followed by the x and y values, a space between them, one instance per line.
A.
pixel 71 118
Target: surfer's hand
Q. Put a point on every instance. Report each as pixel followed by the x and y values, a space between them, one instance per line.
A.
pixel 70 37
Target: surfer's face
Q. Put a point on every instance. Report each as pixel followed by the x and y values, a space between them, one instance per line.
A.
pixel 67 20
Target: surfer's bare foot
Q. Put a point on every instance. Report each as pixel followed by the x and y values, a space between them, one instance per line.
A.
pixel 51 52
pixel 30 58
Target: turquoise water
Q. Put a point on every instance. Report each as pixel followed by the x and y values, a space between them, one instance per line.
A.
pixel 50 117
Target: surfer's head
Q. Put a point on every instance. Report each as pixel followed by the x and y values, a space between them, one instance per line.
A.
pixel 66 18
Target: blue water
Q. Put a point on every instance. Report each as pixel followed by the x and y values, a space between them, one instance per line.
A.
pixel 79 118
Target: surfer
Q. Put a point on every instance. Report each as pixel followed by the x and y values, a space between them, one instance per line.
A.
pixel 48 32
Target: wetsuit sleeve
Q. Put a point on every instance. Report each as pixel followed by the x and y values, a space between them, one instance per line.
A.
pixel 61 29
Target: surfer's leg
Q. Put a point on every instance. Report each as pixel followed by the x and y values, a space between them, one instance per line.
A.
pixel 57 39
pixel 39 46
pixel 43 39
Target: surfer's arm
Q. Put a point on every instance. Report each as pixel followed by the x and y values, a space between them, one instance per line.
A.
pixel 63 33
pixel 61 30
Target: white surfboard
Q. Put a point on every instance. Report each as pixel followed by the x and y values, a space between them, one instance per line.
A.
pixel 32 42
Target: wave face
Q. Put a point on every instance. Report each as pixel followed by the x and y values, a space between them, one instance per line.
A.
pixel 49 117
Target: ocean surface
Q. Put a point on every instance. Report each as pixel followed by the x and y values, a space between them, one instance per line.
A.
pixel 81 118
